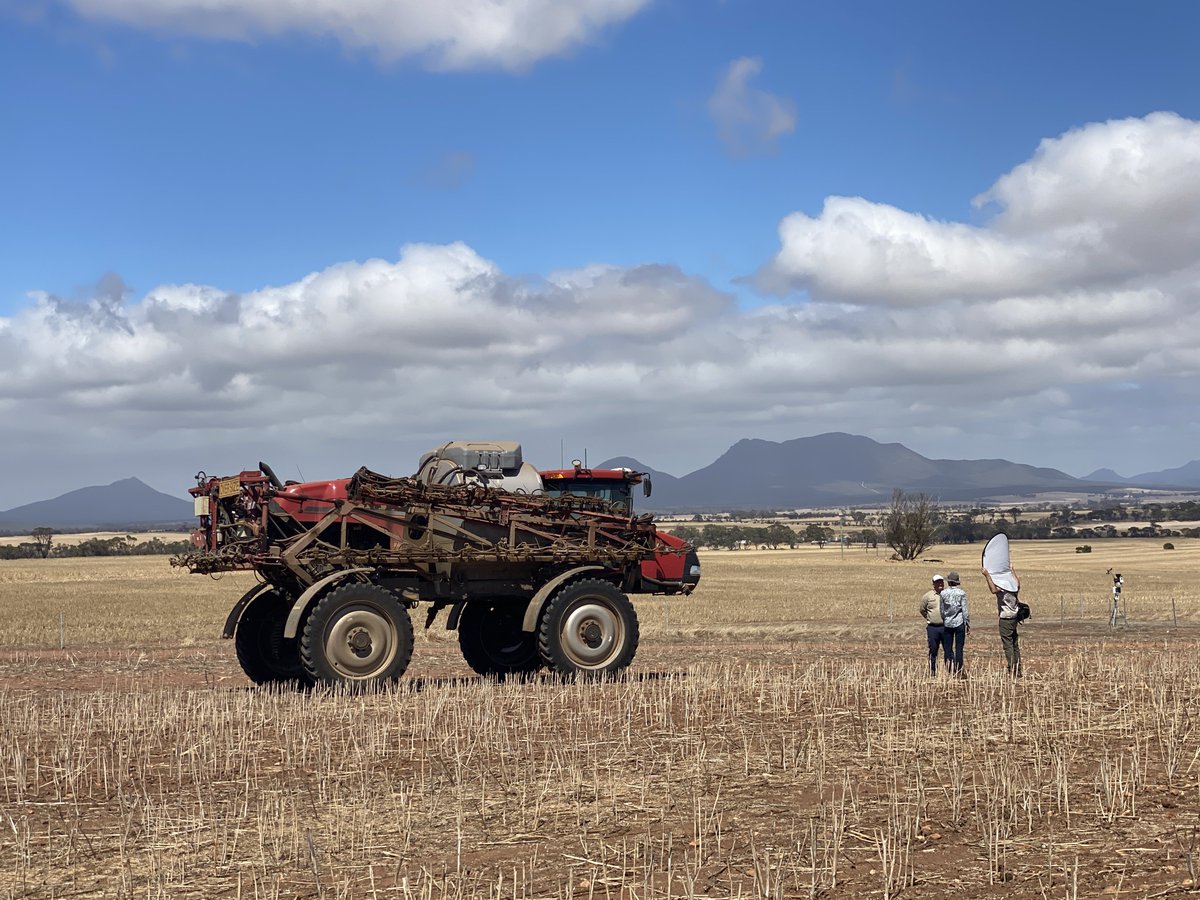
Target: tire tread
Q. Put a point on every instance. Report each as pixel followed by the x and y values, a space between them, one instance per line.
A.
pixel 245 642
pixel 312 653
pixel 548 639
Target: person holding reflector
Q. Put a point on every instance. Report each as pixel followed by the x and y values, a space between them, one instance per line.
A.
pixel 1003 582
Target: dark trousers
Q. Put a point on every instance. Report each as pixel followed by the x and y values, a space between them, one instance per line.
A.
pixel 934 634
pixel 1010 640
pixel 952 647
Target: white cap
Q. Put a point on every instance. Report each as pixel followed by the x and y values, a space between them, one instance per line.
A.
pixel 938 578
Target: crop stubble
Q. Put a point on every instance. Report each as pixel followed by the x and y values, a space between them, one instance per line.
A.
pixel 777 736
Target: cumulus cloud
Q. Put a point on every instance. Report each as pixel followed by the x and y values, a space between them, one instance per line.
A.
pixel 407 337
pixel 451 34
pixel 749 120
pixel 1100 206
pixel 959 340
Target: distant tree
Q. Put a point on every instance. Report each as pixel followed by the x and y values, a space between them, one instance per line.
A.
pixel 869 538
pixel 687 533
pixel 910 524
pixel 43 538
pixel 759 537
pixel 778 533
pixel 960 529
pixel 23 550
pixel 716 536
pixel 818 534
pixel 1015 512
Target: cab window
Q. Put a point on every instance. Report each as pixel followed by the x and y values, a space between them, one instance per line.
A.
pixel 612 493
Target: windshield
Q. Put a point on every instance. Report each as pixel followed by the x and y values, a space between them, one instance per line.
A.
pixel 613 492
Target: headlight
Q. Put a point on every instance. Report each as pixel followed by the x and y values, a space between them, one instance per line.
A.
pixel 694 572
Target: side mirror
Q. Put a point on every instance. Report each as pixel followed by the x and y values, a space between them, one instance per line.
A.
pixel 646 486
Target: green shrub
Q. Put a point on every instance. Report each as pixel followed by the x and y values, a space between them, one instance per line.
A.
pixel 1086 548
pixel 1168 546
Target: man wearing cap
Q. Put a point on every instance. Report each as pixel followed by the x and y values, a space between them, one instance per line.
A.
pixel 956 622
pixel 930 610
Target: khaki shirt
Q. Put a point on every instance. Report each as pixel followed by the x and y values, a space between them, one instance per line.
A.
pixel 931 607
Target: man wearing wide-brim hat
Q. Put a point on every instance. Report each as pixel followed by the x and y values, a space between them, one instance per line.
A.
pixel 956 620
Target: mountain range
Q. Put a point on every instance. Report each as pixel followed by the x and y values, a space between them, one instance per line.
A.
pixel 824 470
pixel 120 505
pixel 1187 475
pixel 838 469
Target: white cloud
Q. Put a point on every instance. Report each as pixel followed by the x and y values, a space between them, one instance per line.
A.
pixel 451 34
pixel 1100 206
pixel 749 120
pixel 957 340
pixel 438 320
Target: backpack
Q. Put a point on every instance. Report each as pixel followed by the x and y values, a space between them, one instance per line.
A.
pixel 1023 611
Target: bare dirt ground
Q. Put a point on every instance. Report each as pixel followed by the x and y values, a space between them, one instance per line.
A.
pixel 772 739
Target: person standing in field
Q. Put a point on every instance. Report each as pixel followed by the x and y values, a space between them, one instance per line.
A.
pixel 930 610
pixel 1007 605
pixel 956 623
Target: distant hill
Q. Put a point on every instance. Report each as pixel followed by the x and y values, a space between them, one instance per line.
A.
pixel 835 469
pixel 1185 476
pixel 661 482
pixel 1108 476
pixel 832 469
pixel 122 504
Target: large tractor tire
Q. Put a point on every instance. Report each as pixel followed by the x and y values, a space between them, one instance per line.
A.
pixel 590 629
pixel 492 642
pixel 358 634
pixel 265 655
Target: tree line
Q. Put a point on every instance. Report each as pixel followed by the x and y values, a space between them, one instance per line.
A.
pixel 42 547
pixel 770 537
pixel 915 522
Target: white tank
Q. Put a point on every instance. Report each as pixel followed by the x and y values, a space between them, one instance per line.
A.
pixel 495 464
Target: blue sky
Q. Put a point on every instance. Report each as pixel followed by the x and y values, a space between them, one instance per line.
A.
pixel 137 143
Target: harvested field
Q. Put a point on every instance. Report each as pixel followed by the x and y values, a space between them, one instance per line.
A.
pixel 777 736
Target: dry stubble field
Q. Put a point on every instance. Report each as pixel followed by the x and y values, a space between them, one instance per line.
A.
pixel 777 736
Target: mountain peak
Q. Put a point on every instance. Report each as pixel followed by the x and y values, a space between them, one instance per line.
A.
pixel 128 501
pixel 837 469
pixel 1105 475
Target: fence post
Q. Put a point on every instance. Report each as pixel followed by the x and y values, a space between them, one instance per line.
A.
pixel 1062 610
pixel 1174 619
pixel 62 634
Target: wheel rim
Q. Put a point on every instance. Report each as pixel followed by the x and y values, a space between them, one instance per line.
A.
pixel 361 642
pixel 592 634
